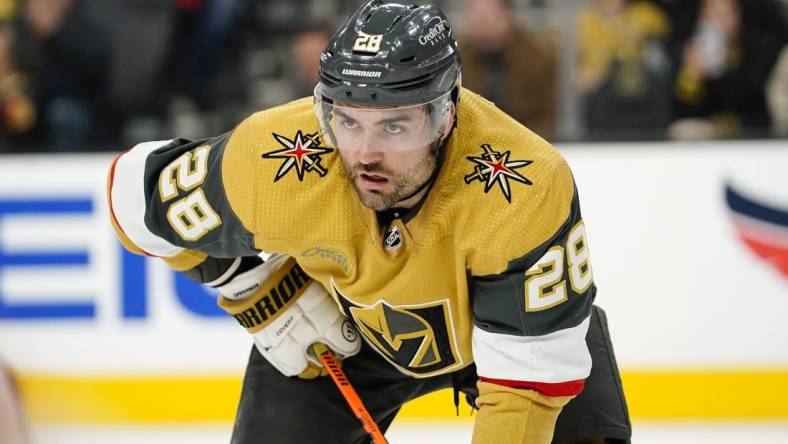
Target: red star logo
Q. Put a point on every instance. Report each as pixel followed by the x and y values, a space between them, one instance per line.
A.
pixel 303 153
pixel 493 167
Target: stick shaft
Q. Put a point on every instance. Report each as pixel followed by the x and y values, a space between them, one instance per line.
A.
pixel 349 393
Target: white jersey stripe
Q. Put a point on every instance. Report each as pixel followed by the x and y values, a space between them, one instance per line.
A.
pixel 127 198
pixel 556 357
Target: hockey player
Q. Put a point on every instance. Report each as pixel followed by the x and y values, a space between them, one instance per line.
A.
pixel 427 238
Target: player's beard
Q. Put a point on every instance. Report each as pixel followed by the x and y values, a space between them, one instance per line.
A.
pixel 401 183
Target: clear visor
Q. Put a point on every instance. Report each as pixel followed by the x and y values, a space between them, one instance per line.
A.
pixel 355 127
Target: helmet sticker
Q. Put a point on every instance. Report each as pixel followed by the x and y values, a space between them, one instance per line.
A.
pixel 361 73
pixel 368 43
pixel 435 33
pixel 493 167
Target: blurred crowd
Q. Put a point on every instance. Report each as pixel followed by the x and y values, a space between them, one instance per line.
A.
pixel 91 75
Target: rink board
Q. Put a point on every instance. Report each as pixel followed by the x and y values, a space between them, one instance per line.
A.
pixel 696 311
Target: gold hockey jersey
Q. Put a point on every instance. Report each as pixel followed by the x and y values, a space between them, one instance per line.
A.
pixel 492 267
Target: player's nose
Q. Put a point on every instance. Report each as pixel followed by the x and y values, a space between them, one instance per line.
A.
pixel 369 149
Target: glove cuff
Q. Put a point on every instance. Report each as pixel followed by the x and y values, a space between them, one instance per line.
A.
pixel 270 298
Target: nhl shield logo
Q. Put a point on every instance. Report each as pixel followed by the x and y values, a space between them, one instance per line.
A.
pixel 393 239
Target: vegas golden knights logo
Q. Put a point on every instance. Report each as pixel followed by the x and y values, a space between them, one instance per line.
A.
pixel 493 167
pixel 302 154
pixel 417 339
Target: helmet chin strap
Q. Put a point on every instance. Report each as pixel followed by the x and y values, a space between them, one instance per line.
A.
pixel 421 187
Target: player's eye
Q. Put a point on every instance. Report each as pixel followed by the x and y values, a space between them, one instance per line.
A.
pixel 394 129
pixel 349 123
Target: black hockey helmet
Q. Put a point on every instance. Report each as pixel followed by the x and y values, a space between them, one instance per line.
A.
pixel 391 54
pixel 389 62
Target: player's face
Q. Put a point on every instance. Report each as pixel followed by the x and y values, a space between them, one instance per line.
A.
pixel 388 153
pixel 384 178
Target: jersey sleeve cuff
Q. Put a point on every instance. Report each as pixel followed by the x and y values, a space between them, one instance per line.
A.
pixel 557 362
pixel 126 191
pixel 568 388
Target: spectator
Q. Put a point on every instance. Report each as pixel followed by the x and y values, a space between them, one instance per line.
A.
pixel 179 48
pixel 510 65
pixel 201 30
pixel 306 51
pixel 723 62
pixel 102 71
pixel 777 95
pixel 205 80
pixel 8 9
pixel 17 112
pixel 65 55
pixel 139 32
pixel 623 73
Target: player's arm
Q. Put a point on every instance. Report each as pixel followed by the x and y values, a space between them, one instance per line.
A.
pixel 530 324
pixel 192 204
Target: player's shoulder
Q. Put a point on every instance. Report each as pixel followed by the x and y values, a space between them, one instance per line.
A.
pixel 517 188
pixel 288 117
pixel 280 144
pixel 282 173
pixel 482 122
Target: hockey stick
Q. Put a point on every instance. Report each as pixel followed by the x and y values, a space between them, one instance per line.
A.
pixel 347 390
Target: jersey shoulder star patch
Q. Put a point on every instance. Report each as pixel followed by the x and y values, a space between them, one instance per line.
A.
pixel 301 154
pixel 493 167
